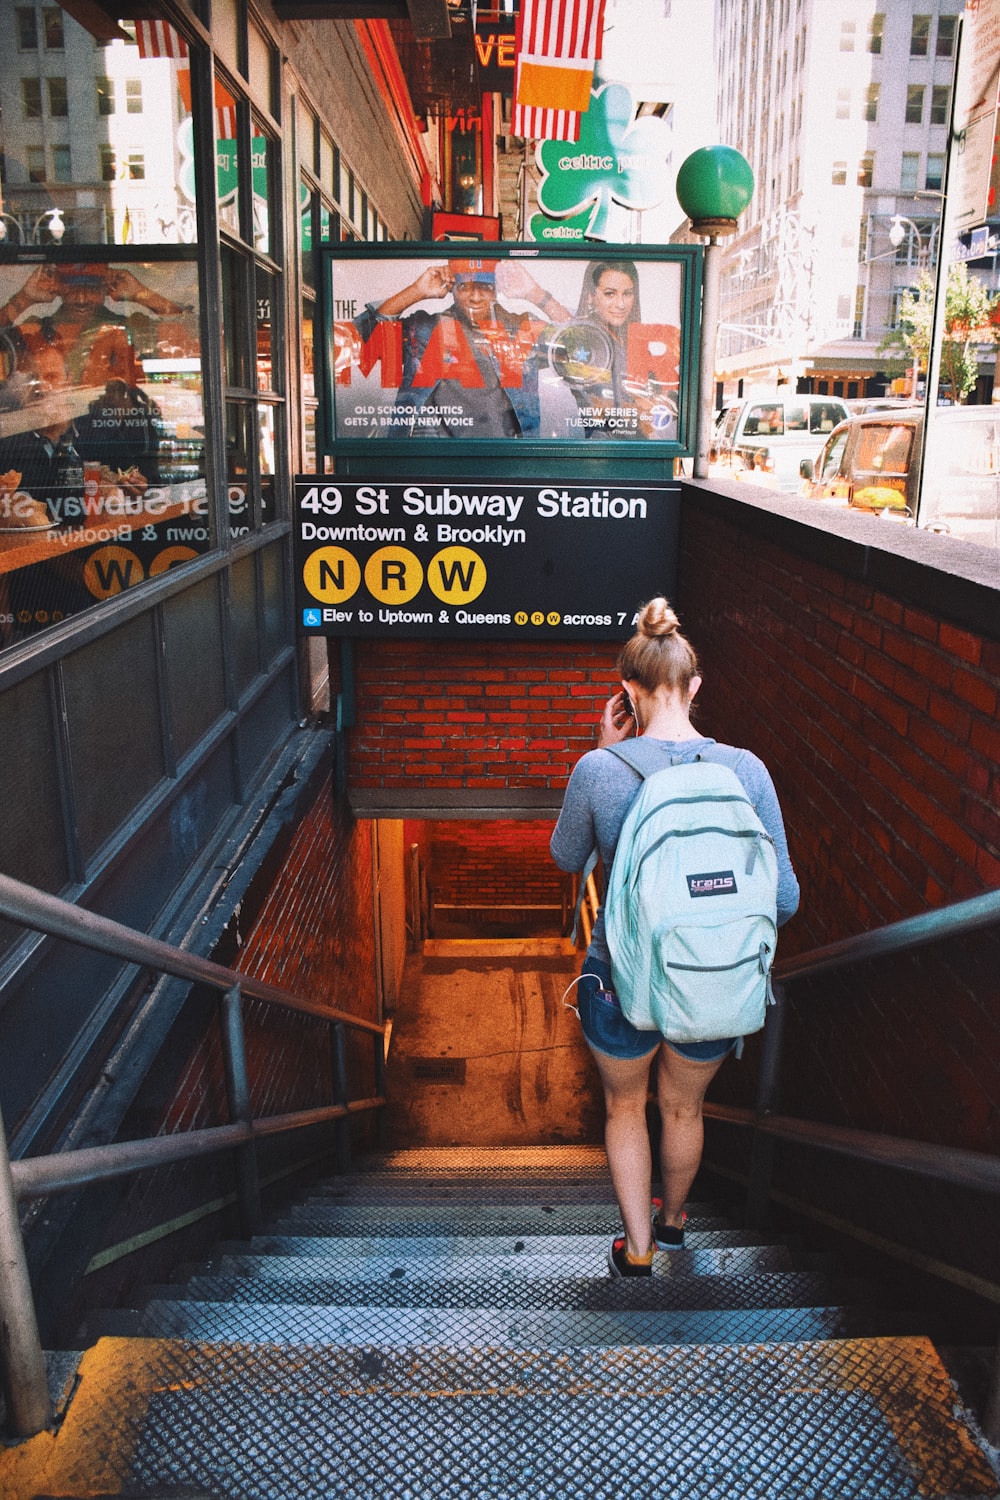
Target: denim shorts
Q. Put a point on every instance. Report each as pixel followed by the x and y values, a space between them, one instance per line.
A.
pixel 607 1030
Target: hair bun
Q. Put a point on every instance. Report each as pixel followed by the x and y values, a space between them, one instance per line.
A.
pixel 657 619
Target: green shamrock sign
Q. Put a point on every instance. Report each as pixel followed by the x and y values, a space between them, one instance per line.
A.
pixel 617 159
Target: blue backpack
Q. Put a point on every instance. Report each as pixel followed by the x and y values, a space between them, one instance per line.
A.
pixel 690 912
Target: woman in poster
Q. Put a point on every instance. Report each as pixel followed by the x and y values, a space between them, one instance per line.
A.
pixel 608 356
pixel 468 370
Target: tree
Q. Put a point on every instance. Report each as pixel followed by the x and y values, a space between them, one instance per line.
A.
pixel 968 321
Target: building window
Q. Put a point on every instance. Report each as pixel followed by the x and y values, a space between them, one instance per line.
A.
pixel 866 169
pixel 858 330
pixel 27 28
pixel 52 26
pixel 920 36
pixel 892 320
pixel 876 31
pixel 914 104
pixel 946 32
pixel 871 103
pixel 843 104
pixel 839 178
pixel 848 30
pixel 31 98
pixel 35 162
pixel 106 163
pixel 105 96
pixel 133 96
pixel 934 176
pixel 62 164
pixel 137 166
pixel 940 100
pixel 909 176
pixel 58 98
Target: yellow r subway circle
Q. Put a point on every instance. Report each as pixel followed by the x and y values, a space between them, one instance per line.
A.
pixel 394 575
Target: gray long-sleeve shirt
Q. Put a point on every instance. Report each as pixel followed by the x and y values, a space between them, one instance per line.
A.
pixel 602 788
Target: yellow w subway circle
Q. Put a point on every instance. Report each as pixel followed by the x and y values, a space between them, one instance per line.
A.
pixel 456 575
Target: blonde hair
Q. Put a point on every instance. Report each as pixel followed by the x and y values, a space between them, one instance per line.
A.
pixel 658 655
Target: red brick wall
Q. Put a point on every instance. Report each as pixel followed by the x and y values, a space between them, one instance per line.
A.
pixel 877 718
pixel 493 864
pixel 479 715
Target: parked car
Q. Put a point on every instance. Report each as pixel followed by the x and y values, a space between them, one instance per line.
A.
pixel 873 462
pixel 764 437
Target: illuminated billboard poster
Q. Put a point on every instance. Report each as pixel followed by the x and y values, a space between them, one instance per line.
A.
pixel 491 558
pixel 587 347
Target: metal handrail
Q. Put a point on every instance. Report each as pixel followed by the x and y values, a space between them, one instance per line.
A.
pixel 978 1170
pixel 32 908
pixel 22 1362
pixel 895 937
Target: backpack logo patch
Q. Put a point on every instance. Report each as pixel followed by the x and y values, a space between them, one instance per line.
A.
pixel 717 883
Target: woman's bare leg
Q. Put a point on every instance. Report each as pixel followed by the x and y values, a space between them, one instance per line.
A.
pixel 680 1089
pixel 626 1140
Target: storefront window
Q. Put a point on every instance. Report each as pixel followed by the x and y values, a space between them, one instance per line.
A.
pixel 234 322
pixel 120 169
pixel 266 289
pixel 102 473
pixel 267 442
pixel 238 468
pixel 227 162
pixel 264 183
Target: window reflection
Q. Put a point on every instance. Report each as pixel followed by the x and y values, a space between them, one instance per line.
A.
pixel 118 161
pixel 101 434
pixel 266 293
pixel 227 164
pixel 267 424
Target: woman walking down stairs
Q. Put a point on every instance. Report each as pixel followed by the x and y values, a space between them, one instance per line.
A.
pixel 443 1324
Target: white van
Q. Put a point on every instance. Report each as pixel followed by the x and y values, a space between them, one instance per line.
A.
pixel 766 437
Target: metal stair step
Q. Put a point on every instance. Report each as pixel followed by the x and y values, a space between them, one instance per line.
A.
pixel 471 1160
pixel 530 1255
pixel 479 1192
pixel 322 1217
pixel 401 1327
pixel 402 1288
pixel 869 1419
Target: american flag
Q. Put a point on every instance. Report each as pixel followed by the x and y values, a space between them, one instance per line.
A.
pixel 159 39
pixel 558 43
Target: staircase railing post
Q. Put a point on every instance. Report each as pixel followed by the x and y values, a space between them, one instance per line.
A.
pixel 379 1080
pixel 22 1362
pixel 240 1112
pixel 341 1095
pixel 762 1150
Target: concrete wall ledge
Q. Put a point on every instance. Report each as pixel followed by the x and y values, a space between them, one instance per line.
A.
pixel 436 803
pixel 942 575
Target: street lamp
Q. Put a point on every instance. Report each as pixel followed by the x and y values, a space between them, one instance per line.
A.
pixel 714 186
pixel 50 219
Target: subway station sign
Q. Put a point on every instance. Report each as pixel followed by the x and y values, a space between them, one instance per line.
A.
pixel 490 558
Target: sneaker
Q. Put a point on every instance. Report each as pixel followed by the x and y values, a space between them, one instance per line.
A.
pixel 667 1236
pixel 620 1265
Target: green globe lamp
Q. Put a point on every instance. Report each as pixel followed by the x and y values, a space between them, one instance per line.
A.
pixel 714 186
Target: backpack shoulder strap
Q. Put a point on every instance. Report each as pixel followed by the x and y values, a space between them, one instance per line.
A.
pixel 625 751
pixel 591 860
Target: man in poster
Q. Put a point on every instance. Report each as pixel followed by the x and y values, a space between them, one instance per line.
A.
pixel 468 370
